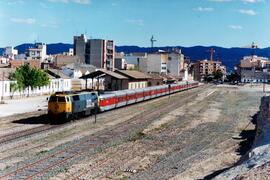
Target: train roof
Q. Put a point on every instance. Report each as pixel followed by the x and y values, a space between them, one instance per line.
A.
pixel 71 93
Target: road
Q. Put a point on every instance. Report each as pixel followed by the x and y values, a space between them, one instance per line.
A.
pixel 18 106
pixel 191 135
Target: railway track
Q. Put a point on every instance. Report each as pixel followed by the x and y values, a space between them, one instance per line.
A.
pixel 31 131
pixel 90 143
pixel 24 133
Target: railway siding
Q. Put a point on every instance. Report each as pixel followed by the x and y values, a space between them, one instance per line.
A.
pixel 182 140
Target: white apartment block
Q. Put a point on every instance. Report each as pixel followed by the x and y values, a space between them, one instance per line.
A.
pixel 37 52
pixel 10 52
pixel 156 63
pixel 175 63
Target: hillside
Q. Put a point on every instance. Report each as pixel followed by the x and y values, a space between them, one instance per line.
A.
pixel 229 56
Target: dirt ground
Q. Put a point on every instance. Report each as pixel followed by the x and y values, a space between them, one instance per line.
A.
pixel 197 139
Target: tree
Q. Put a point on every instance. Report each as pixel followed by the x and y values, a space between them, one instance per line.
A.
pixel 233 76
pixel 27 77
pixel 218 74
pixel 208 78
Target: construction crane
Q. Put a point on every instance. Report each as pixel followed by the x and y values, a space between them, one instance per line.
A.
pixel 152 41
pixel 253 47
pixel 212 51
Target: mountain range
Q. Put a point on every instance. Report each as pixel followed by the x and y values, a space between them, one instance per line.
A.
pixel 228 56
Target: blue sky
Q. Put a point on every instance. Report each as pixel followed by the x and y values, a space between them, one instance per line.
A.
pixel 227 23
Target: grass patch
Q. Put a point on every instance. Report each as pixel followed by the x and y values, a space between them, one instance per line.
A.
pixel 42 152
pixel 139 135
pixel 162 126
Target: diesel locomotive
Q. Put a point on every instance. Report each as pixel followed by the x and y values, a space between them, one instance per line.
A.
pixel 66 105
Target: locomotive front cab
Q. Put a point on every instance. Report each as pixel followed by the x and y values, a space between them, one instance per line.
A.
pixel 60 105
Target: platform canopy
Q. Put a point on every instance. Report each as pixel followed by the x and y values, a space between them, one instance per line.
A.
pixel 102 72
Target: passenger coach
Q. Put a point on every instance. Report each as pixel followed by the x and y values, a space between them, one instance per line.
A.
pixel 117 99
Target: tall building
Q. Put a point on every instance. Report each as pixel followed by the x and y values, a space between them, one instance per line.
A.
pixel 97 52
pixel 176 63
pixel 205 68
pixel 100 53
pixel 79 44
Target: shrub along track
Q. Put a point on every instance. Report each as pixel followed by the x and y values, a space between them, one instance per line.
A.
pixel 93 143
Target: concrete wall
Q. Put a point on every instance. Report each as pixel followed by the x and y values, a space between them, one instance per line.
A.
pixel 157 63
pixel 143 65
pixel 253 76
pixel 154 63
pixel 175 63
pixel 79 47
pixel 81 84
pixel 55 85
pixel 95 52
pixel 136 85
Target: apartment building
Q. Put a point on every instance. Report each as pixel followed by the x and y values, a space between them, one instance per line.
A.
pixel 79 44
pixel 154 63
pixel 97 52
pixel 205 68
pixel 10 52
pixel 100 53
pixel 176 63
pixel 37 52
pixel 254 69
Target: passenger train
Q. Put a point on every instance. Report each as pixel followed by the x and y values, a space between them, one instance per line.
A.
pixel 74 104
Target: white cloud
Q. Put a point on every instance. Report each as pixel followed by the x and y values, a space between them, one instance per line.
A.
pixel 138 22
pixel 74 1
pixel 15 2
pixel 247 12
pixel 59 1
pixel 82 1
pixel 235 27
pixel 50 25
pixel 251 1
pixel 203 9
pixel 24 20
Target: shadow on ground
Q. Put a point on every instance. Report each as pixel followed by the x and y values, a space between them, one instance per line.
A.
pixel 247 138
pixel 42 119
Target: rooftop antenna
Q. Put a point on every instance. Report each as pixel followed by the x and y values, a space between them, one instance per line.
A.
pixel 152 41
